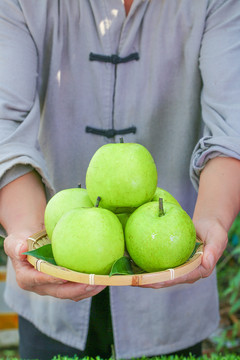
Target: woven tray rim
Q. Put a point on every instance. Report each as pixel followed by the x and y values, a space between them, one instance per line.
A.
pixel 116 280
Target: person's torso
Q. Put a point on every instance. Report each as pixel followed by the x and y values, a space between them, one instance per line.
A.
pixel 151 85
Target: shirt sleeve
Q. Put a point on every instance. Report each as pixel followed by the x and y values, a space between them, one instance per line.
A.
pixel 19 100
pixel 220 99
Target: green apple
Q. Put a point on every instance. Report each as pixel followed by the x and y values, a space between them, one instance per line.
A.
pixel 159 239
pixel 88 240
pixel 124 175
pixel 62 202
pixel 165 195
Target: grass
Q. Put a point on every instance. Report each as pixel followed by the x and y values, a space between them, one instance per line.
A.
pixel 171 357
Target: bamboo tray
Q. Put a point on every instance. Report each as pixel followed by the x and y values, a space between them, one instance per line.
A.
pixel 39 239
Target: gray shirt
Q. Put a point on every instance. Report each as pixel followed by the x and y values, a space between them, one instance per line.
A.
pixel 51 90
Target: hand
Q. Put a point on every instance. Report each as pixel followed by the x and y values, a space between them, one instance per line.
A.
pixel 214 237
pixel 32 280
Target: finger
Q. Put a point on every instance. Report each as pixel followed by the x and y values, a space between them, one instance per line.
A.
pixel 70 290
pixel 215 242
pixel 202 271
pixel 27 277
pixel 31 279
pixel 199 273
pixel 77 292
pixel 190 278
pixel 215 238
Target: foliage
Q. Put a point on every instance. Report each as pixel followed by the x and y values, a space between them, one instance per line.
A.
pixel 228 270
pixel 171 357
pixel 3 256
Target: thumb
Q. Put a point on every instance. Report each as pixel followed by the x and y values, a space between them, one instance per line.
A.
pixel 20 249
pixel 215 243
pixel 209 259
pixel 15 246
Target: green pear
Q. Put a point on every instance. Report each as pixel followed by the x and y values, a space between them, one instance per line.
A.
pixel 62 202
pixel 158 239
pixel 124 175
pixel 88 240
pixel 165 195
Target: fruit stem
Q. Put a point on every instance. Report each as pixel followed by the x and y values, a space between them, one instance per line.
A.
pixel 161 211
pixel 121 140
pixel 79 186
pixel 97 201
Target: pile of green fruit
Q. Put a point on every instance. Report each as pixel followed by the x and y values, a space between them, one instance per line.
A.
pixel 121 210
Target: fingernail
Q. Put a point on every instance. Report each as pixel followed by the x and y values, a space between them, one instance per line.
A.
pixel 211 261
pixel 61 282
pixel 18 251
pixel 90 288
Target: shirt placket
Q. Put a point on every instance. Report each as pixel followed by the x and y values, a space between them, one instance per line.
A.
pixel 117 29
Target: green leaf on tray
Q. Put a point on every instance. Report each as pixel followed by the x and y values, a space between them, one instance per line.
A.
pixel 121 266
pixel 44 253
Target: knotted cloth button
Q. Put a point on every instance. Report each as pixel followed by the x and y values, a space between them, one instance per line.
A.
pixel 110 133
pixel 115 59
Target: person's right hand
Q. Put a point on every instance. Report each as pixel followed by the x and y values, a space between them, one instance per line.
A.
pixel 31 279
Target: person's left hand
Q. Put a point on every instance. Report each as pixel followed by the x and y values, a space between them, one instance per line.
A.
pixel 215 238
